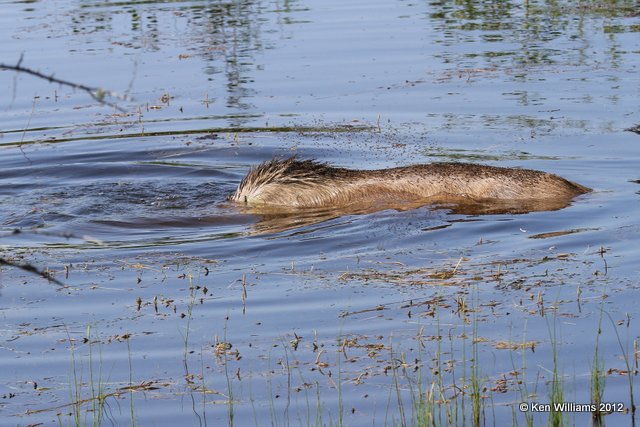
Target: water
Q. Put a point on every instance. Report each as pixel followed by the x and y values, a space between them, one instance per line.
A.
pixel 182 308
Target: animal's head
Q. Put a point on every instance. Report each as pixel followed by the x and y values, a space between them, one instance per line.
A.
pixel 262 183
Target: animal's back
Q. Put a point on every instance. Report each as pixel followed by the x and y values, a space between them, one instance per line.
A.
pixel 296 183
pixel 489 182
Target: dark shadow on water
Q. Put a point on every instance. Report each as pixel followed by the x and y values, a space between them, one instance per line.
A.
pixel 176 221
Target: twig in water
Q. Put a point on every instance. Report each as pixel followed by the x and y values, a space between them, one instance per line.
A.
pixel 32 269
pixel 97 93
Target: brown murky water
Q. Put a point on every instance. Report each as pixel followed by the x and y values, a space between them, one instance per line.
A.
pixel 179 307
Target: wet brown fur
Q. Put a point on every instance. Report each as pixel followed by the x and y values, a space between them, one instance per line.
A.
pixel 308 183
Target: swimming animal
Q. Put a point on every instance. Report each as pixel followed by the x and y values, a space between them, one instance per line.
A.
pixel 293 183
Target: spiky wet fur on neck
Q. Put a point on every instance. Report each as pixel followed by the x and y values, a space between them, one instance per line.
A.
pixel 291 173
pixel 308 183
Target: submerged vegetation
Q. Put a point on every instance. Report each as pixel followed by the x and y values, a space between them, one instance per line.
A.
pixel 438 370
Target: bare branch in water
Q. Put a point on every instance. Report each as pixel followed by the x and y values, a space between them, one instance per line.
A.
pixel 32 269
pixel 97 93
pixel 43 273
pixel 65 235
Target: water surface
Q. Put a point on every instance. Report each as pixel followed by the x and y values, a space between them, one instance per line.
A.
pixel 182 308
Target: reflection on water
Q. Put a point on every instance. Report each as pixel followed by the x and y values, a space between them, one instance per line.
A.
pixel 516 33
pixel 225 36
pixel 191 65
pixel 274 220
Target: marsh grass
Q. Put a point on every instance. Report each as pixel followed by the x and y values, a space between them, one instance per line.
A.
pixel 446 386
pixel 132 410
pixel 477 407
pixel 293 364
pixel 75 390
pixel 188 377
pixel 523 389
pixel 556 386
pixel 597 380
pixel 271 393
pixel 397 387
pixel 98 387
pixel 422 402
pixel 630 372
pixel 95 393
pixel 230 393
pixel 597 388
pixel 340 394
pixel 441 398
